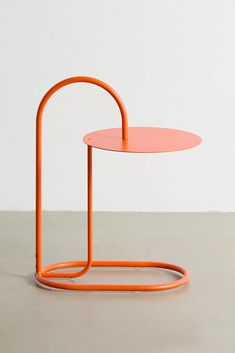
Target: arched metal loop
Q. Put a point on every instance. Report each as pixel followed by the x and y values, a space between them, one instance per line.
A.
pixel 52 90
pixel 85 79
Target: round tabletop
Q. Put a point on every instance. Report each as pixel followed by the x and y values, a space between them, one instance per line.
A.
pixel 142 140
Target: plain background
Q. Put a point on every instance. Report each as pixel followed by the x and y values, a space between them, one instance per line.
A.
pixel 172 62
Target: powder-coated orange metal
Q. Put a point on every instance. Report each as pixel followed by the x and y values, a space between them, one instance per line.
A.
pixel 115 140
pixel 142 140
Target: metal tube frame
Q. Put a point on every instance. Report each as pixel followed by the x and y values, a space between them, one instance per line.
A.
pixel 44 274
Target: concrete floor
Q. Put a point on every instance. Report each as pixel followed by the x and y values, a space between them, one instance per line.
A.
pixel 199 317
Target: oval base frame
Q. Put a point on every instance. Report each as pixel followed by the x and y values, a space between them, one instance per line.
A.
pixel 43 277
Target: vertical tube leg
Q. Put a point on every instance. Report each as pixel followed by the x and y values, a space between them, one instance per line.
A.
pixel 89 205
pixel 39 196
pixel 89 221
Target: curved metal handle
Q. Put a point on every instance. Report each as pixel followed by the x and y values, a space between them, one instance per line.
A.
pixel 93 81
pixel 41 107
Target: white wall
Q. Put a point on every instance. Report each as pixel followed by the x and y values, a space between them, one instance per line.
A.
pixel 171 61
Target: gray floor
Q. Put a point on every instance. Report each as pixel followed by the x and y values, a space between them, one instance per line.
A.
pixel 199 317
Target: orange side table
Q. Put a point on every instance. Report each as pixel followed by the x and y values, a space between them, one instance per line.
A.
pixel 125 139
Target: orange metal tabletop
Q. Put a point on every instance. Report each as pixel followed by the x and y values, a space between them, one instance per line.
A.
pixel 142 140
